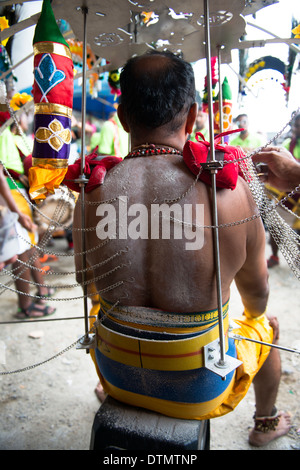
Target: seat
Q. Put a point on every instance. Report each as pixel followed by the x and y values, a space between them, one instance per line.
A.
pixel 123 427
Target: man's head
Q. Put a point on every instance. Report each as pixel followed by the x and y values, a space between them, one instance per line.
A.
pixel 201 120
pixel 157 89
pixel 242 121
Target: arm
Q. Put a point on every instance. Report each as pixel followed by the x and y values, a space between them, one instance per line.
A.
pixel 283 170
pixel 252 278
pixel 24 219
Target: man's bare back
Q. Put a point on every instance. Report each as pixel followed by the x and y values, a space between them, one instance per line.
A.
pixel 135 266
pixel 168 274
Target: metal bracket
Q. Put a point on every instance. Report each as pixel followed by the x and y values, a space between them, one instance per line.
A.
pixel 87 342
pixel 212 360
pixel 213 165
pixel 81 180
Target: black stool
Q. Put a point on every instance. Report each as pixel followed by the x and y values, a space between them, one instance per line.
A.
pixel 124 427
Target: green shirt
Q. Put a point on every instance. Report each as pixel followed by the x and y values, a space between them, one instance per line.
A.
pixel 9 154
pixel 113 140
pixel 251 142
pixel 296 151
pixel 204 131
pixel 24 143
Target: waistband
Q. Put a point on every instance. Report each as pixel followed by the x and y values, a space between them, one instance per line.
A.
pixel 174 352
pixel 152 319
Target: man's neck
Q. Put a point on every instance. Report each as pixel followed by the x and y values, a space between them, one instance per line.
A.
pixel 159 139
pixel 244 135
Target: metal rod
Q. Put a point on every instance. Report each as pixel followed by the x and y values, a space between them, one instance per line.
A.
pixel 220 92
pixel 82 176
pixel 242 80
pixel 291 46
pixel 214 186
pixel 35 320
pixel 239 337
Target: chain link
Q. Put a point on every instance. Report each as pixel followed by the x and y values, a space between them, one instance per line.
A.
pixel 63 351
pixel 279 230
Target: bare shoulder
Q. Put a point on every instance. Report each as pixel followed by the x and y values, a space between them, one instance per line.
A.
pixel 238 203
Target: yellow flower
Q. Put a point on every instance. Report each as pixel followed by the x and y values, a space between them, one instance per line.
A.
pixel 4 25
pixel 296 31
pixel 19 99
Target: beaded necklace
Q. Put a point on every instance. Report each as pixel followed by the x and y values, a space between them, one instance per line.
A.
pixel 147 150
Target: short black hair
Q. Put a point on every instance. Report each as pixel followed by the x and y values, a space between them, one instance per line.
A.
pixel 240 116
pixel 157 95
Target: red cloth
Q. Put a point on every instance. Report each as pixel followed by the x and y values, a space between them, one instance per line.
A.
pixel 27 163
pixel 4 116
pixel 196 153
pixel 62 92
pixel 94 170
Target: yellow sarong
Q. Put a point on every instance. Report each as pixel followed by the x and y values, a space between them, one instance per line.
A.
pixel 137 361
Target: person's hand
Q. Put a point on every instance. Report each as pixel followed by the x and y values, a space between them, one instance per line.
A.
pixel 8 261
pixel 24 180
pixel 275 325
pixel 26 222
pixel 283 170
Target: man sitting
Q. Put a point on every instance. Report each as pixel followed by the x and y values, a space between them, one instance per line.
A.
pixel 157 286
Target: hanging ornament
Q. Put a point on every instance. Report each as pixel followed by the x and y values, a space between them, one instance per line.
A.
pixel 114 82
pixel 226 108
pixel 53 102
pixel 76 48
pixel 214 79
pixel 5 66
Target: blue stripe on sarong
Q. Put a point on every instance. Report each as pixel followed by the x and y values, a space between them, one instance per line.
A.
pixel 192 386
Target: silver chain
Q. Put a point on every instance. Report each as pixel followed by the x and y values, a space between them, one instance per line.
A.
pixel 280 231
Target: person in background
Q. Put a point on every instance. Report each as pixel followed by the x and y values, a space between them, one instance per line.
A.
pixel 200 126
pixel 246 139
pixel 14 192
pixel 8 248
pixel 23 141
pixel 292 144
pixel 283 170
pixel 113 140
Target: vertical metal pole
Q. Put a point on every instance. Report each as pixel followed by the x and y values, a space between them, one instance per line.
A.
pixel 220 92
pixel 82 184
pixel 214 186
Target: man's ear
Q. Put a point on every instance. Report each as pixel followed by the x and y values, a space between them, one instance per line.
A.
pixel 122 118
pixel 191 118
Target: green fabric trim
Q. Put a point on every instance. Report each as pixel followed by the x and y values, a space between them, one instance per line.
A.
pixel 47 28
pixel 12 185
pixel 226 90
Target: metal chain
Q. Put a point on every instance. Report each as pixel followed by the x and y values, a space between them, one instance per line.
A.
pixel 102 291
pixel 24 369
pixel 67 286
pixel 92 330
pixel 20 130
